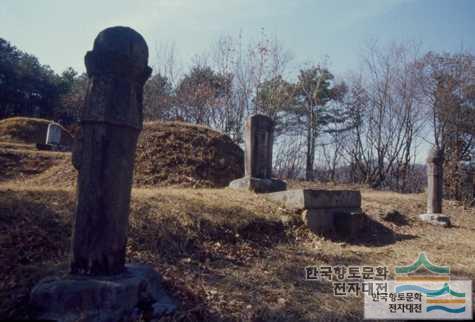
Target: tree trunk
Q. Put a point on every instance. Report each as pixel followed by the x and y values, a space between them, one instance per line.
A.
pixel 309 175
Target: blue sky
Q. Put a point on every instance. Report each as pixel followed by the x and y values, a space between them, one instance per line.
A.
pixel 59 32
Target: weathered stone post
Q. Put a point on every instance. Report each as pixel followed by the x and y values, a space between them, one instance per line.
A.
pixel 101 287
pixel 111 121
pixel 259 139
pixel 468 183
pixel 435 184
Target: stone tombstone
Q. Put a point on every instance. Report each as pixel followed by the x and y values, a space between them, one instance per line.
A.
pixel 259 139
pixel 435 184
pixel 259 132
pixel 110 123
pixel 53 134
pixel 100 287
pixel 467 172
pixel 435 181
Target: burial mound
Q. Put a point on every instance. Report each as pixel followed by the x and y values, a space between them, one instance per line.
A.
pixel 29 130
pixel 177 153
pixel 168 153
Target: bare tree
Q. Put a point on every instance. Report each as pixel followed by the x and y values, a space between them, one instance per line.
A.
pixel 158 99
pixel 167 64
pixel 449 91
pixel 248 66
pixel 200 93
pixel 229 117
pixel 289 160
pixel 388 116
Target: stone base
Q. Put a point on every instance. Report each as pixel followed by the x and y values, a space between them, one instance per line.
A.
pixel 51 147
pixel 317 199
pixel 131 295
pixel 318 220
pixel 349 223
pixel 436 219
pixel 258 185
pixel 341 221
pixel 325 211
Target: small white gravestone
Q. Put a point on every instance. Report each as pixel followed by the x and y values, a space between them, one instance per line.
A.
pixel 53 134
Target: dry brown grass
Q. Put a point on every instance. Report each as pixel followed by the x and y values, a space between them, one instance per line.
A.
pixel 168 153
pixel 227 255
pixel 17 146
pixel 20 163
pixel 176 153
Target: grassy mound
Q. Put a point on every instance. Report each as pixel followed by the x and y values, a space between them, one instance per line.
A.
pixel 168 153
pixel 175 153
pixel 28 130
pixel 60 174
pixel 21 164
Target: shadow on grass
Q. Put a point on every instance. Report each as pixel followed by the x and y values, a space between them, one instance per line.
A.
pixel 194 250
pixel 373 234
pixel 396 218
pixel 174 236
pixel 35 229
pixel 283 293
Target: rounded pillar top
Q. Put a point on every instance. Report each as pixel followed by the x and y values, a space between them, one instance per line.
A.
pixel 119 50
pixel 124 41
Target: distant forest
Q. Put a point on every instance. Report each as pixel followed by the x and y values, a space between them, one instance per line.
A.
pixel 369 127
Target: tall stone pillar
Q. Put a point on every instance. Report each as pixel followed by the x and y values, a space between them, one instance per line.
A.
pixel 111 121
pixel 435 184
pixel 101 287
pixel 468 183
pixel 259 139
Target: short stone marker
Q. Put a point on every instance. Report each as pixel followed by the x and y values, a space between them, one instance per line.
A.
pixel 52 141
pixel 100 286
pixel 259 139
pixel 53 134
pixel 325 211
pixel 435 183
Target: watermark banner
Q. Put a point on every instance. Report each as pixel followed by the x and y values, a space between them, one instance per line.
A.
pixel 419 299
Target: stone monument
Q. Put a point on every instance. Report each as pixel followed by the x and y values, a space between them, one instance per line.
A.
pixel 467 173
pixel 435 184
pixel 259 139
pixel 53 134
pixel 100 287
